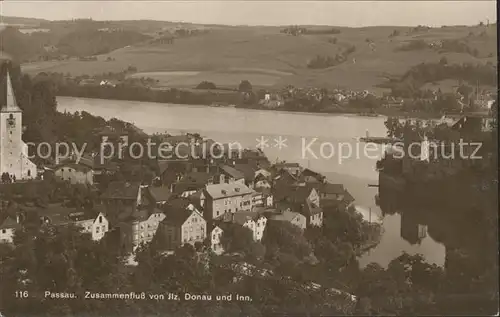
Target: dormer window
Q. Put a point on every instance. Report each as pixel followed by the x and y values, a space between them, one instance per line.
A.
pixel 237 190
pixel 224 192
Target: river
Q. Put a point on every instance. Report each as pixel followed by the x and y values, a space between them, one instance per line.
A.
pixel 323 142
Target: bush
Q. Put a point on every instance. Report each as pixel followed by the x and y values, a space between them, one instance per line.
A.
pixel 245 86
pixel 414 45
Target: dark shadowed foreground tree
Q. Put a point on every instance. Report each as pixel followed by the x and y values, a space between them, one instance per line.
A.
pixel 64 261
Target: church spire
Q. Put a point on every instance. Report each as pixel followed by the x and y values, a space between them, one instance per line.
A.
pixel 10 104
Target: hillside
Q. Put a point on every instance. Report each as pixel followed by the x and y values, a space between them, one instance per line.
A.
pixel 94 42
pixel 268 57
pixel 18 45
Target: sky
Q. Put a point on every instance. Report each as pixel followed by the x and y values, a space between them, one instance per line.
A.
pixel 231 12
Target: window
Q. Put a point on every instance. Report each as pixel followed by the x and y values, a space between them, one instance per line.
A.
pixel 217 213
pixel 97 229
pixel 4 231
pixel 100 219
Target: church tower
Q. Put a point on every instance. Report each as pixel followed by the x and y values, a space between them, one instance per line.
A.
pixel 13 151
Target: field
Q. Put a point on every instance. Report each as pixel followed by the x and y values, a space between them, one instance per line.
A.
pixel 268 58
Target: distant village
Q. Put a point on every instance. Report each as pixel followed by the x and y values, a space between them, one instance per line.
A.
pixel 461 99
pixel 191 200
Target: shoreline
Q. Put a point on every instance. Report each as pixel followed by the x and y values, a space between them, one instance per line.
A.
pixel 354 113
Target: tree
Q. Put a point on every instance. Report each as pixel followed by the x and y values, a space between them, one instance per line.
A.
pixel 465 91
pixel 443 61
pixel 60 259
pixel 286 238
pixel 245 86
pixel 206 85
pixel 236 238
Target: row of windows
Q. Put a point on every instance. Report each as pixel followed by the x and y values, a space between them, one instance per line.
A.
pixel 191 238
pixel 103 228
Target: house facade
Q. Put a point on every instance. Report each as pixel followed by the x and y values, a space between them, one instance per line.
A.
pixel 254 221
pixel 8 227
pixel 158 196
pixel 215 240
pixel 182 226
pixel 294 218
pixel 218 199
pixel 139 226
pixel 304 200
pixel 122 197
pixel 96 226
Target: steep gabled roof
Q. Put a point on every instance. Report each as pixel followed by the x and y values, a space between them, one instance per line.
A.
pixel 293 193
pixel 10 99
pixel 122 190
pixel 241 217
pixel 284 216
pixel 160 193
pixel 217 191
pixel 310 210
pixel 9 223
pixel 247 170
pixel 232 172
pixel 77 167
pixel 177 216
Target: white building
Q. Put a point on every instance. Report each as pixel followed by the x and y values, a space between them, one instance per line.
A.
pixel 13 151
pixel 254 221
pixel 7 228
pixel 215 240
pixel 96 226
pixel 75 173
